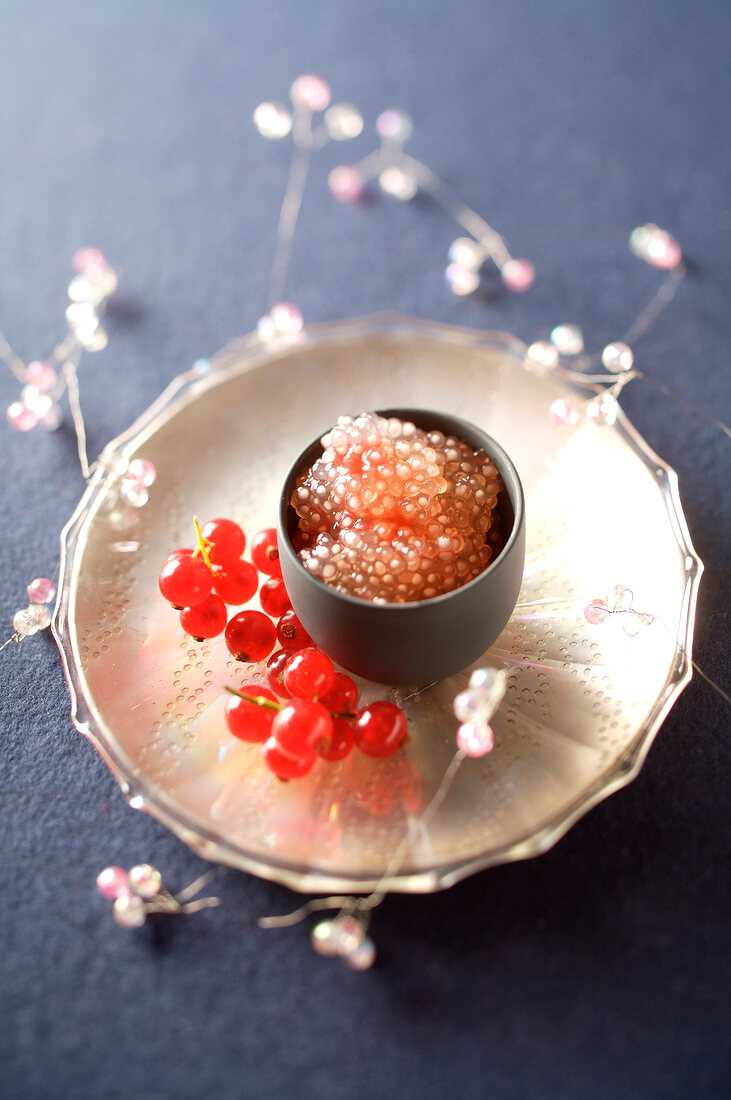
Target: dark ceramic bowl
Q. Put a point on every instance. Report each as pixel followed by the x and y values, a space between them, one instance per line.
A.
pixel 427 640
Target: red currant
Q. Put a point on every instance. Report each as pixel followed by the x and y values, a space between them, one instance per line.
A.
pixel 380 729
pixel 273 598
pixel 250 636
pixel 300 726
pixel 309 673
pixel 284 766
pixel 250 721
pixel 206 619
pixel 265 552
pixel 184 580
pixel 226 538
pixel 342 698
pixel 291 633
pixel 275 671
pixel 236 581
pixel 341 742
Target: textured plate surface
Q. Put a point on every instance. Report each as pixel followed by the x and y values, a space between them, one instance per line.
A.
pixel 583 702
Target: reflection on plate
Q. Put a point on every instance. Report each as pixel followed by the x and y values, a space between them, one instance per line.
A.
pixel 583 702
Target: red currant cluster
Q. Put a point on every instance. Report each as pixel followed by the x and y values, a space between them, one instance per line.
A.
pixel 316 713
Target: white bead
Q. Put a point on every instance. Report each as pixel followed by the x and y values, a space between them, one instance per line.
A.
pixel 350 934
pixel 343 121
pixel 603 409
pixel 465 707
pixel 618 357
pixel 542 354
pixel 568 339
pixel 82 289
pixel 40 403
pixel 363 957
pixel 484 679
pixel 135 495
pixel 146 881
pixel 467 253
pixel 129 911
pixel 52 419
pixel 325 938
pixel 272 120
pixel 82 314
pixel 92 338
pixel 396 183
pixel 461 279
pixel 24 622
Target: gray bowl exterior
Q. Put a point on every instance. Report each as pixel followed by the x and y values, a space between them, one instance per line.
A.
pixel 421 642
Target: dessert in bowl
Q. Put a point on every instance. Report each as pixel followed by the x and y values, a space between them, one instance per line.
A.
pixel 402 543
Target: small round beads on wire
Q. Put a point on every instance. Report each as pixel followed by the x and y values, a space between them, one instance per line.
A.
pixel 617 604
pixel 344 937
pixel 475 706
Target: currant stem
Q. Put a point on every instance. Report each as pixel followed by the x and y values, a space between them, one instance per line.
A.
pixel 261 701
pixel 203 545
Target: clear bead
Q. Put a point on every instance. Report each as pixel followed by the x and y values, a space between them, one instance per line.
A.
pixel 568 339
pixel 202 366
pixel 363 957
pixel 92 338
pixel 461 279
pixel 655 246
pixel 82 290
pixel 146 881
pixel 542 355
pixel 325 938
pixel 265 328
pixel 310 93
pixel 40 403
pixel 129 911
pixel 343 121
pixel 466 708
pixel 603 409
pixel 618 357
pixel 142 472
pixel 273 120
pixel 135 496
pixel 565 411
pixel 396 183
pixel 394 125
pixel 24 622
pixel 467 253
pixel 40 616
pixel 350 934
pixel 81 315
pixel 52 419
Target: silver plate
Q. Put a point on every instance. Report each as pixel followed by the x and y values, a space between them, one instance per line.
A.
pixel 584 702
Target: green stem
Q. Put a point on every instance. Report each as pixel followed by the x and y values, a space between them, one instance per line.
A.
pixel 203 545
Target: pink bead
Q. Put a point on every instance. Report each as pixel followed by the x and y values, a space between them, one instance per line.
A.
pixel 665 254
pixel 475 739
pixel 565 411
pixel 596 612
pixel 21 417
pixel 142 472
pixel 42 376
pixel 87 260
pixel 518 275
pixel 286 317
pixel 310 93
pixel 346 183
pixel 41 590
pixel 112 882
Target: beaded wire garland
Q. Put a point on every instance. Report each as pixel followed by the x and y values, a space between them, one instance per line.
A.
pixel 312 121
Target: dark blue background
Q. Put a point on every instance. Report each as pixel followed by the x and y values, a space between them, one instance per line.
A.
pixel 598 970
